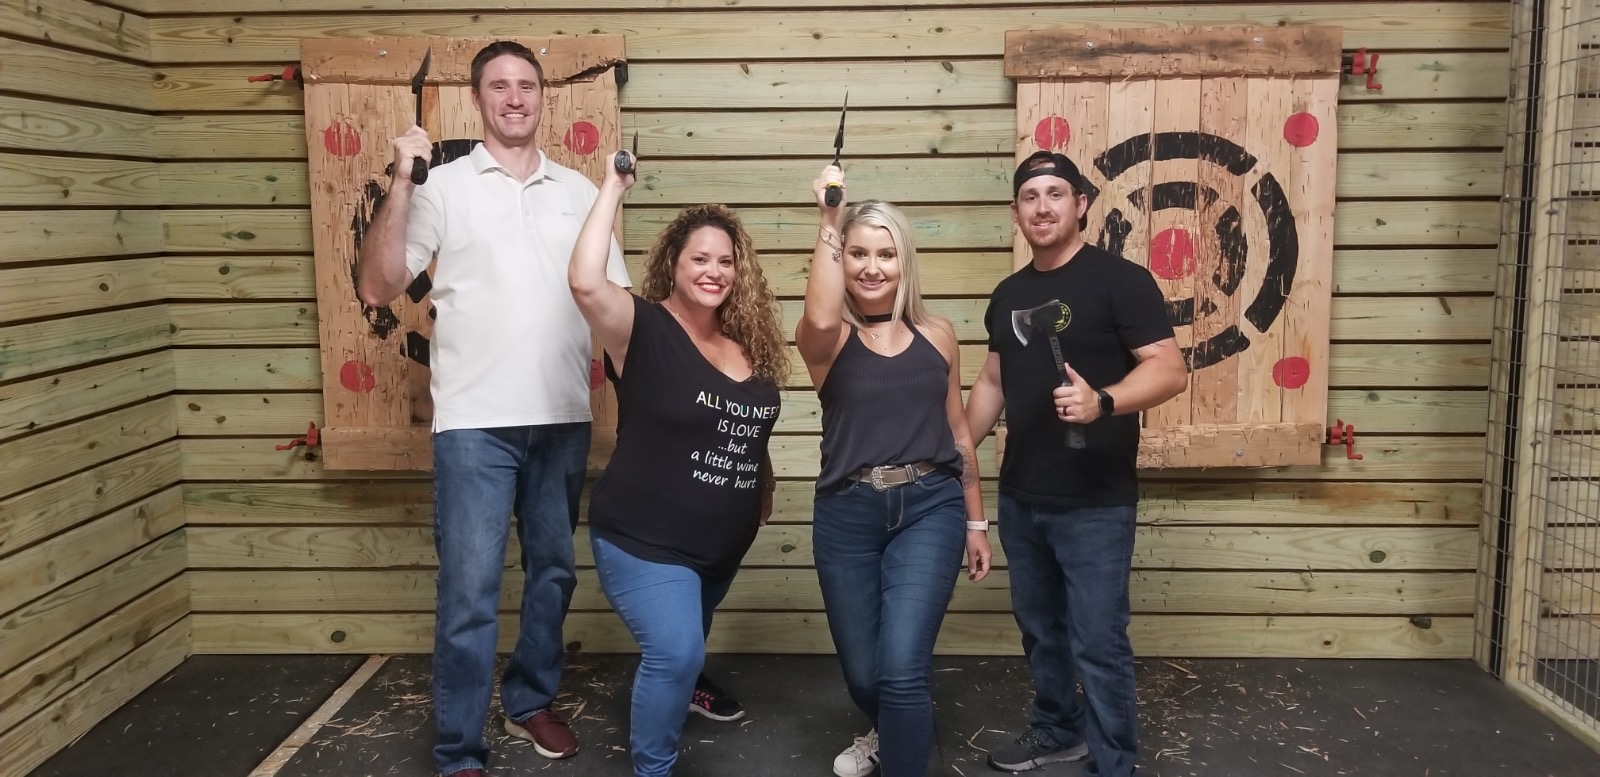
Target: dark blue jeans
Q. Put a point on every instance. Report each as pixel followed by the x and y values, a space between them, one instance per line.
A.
pixel 481 478
pixel 668 610
pixel 1069 570
pixel 888 562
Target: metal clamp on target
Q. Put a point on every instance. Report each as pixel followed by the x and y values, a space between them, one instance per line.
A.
pixel 1356 64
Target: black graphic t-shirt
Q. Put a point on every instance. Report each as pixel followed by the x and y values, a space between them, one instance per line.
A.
pixel 1108 307
pixel 684 483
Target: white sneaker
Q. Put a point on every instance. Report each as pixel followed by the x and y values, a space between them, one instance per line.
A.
pixel 858 759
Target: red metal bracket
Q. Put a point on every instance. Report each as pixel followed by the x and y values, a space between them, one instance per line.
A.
pixel 1340 434
pixel 1356 64
pixel 290 73
pixel 311 439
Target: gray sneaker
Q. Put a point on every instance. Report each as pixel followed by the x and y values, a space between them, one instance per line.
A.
pixel 1032 750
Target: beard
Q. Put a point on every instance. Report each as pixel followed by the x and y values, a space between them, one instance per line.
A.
pixel 1053 235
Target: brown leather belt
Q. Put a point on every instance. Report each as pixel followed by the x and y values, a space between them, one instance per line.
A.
pixel 886 476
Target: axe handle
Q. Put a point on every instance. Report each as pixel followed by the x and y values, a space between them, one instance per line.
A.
pixel 419 166
pixel 1075 436
pixel 833 194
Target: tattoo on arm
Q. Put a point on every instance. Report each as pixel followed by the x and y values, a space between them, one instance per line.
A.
pixel 969 466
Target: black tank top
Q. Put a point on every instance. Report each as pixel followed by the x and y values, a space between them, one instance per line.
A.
pixel 880 409
pixel 683 485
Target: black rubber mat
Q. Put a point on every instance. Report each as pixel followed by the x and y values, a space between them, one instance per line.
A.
pixel 220 715
pixel 213 715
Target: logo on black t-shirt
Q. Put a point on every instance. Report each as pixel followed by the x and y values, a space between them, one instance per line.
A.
pixel 1064 320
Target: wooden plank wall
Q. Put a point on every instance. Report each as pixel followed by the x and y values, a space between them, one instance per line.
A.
pixel 1369 557
pixel 92 550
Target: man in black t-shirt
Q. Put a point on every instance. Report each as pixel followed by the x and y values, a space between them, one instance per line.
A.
pixel 1069 481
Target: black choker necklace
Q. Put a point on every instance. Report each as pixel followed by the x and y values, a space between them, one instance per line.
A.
pixel 878 319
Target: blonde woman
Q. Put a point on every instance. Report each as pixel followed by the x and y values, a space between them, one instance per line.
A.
pixel 697 359
pixel 897 499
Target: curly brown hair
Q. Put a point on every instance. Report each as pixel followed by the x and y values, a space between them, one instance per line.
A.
pixel 750 315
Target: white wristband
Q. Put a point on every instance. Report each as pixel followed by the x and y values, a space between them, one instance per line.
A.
pixel 977 525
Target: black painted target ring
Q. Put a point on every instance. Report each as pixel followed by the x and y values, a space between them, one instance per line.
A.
pixel 1283 240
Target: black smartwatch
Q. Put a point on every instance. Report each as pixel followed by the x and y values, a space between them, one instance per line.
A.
pixel 1108 406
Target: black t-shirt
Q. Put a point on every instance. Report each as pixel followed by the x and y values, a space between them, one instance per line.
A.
pixel 1109 306
pixel 684 483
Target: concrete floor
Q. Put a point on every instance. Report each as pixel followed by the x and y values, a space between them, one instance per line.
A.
pixel 221 715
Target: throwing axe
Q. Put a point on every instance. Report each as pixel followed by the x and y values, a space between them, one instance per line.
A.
pixel 1043 321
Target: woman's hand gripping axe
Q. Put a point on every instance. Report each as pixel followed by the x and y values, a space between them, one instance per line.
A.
pixel 623 161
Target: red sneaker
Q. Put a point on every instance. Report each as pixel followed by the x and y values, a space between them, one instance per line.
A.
pixel 550 735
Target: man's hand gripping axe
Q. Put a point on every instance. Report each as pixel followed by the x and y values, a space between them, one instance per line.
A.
pixel 1042 321
pixel 419 166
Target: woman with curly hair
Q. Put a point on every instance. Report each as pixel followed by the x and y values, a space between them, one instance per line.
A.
pixel 897 500
pixel 697 359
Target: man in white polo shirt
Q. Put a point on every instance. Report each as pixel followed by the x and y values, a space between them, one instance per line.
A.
pixel 510 382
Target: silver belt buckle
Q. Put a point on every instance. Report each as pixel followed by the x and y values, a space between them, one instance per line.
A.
pixel 877 479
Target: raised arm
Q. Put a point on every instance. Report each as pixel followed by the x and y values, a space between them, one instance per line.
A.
pixel 381 271
pixel 607 306
pixel 818 334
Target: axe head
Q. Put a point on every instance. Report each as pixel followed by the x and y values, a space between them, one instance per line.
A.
pixel 422 73
pixel 1042 319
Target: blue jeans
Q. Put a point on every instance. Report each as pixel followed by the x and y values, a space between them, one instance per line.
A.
pixel 481 478
pixel 667 608
pixel 1069 571
pixel 887 563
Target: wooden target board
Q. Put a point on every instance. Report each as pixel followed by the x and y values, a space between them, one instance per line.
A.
pixel 376 400
pixel 1210 157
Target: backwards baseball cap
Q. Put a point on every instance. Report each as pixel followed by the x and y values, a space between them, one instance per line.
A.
pixel 1060 166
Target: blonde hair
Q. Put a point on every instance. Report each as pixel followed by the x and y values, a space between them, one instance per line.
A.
pixel 750 315
pixel 908 296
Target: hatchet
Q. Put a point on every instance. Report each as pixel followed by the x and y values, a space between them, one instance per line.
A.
pixel 1043 321
pixel 419 166
pixel 834 193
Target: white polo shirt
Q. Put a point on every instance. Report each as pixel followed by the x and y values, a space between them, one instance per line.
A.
pixel 509 346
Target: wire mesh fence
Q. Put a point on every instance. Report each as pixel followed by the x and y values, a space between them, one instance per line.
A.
pixel 1539 593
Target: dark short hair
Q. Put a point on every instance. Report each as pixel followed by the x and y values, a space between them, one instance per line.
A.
pixel 500 48
pixel 1042 163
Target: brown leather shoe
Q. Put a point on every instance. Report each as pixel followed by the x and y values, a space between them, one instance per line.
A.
pixel 550 735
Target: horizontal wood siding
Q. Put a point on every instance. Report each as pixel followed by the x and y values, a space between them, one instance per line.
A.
pixel 737 104
pixel 95 603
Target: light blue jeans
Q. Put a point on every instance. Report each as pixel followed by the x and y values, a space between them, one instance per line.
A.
pixel 887 563
pixel 667 608
pixel 482 477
